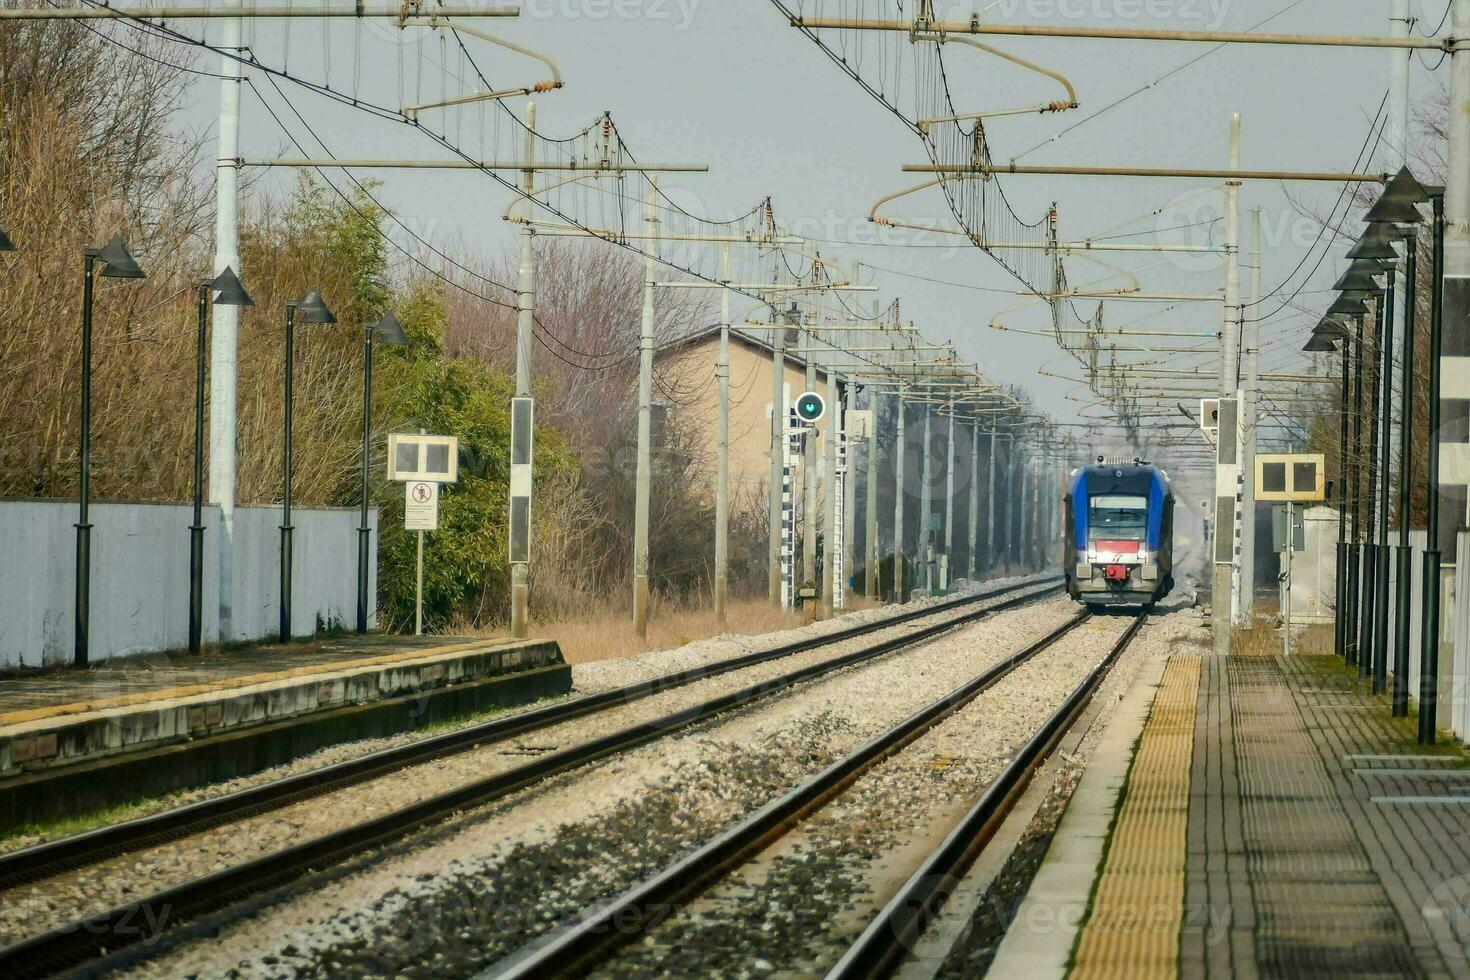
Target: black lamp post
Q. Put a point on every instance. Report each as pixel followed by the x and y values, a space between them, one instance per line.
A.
pixel 1354 550
pixel 1383 550
pixel 1368 598
pixel 228 292
pixel 1399 204
pixel 310 309
pixel 113 261
pixel 1429 631
pixel 386 331
pixel 1376 246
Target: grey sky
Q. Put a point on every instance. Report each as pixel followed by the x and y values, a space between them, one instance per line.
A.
pixel 732 85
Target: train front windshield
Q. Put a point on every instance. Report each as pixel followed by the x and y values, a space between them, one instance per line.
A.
pixel 1117 518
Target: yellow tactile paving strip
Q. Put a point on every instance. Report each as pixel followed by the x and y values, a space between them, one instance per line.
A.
pixel 1132 930
pixel 188 690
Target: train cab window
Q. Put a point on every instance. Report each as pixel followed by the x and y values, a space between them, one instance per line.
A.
pixel 1114 517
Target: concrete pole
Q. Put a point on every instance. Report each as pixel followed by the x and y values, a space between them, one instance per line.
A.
pixel 722 454
pixel 1397 130
pixel 949 499
pixel 645 433
pixel 1227 456
pixel 832 587
pixel 1457 189
pixel 225 334
pixel 1455 367
pixel 1449 462
pixel 849 489
pixel 900 455
pixel 991 556
pixel 520 572
pixel 974 498
pixel 1249 420
pixel 870 506
pixel 927 542
pixel 1023 520
pixel 778 430
pixel 809 505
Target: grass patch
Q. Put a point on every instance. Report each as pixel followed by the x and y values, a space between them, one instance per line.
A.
pixel 14 838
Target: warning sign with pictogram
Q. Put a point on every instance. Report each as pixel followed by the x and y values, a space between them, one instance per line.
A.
pixel 421 506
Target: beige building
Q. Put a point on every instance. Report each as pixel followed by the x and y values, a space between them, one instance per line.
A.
pixel 687 367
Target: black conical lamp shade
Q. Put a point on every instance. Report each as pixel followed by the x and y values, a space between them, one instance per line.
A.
pixel 1319 344
pixel 6 245
pixel 1355 281
pixel 1397 203
pixel 389 331
pixel 311 309
pixel 1331 326
pixel 1368 267
pixel 1376 243
pixel 229 291
pixel 1347 306
pixel 118 262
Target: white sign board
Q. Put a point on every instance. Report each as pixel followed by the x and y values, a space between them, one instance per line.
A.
pixel 423 457
pixel 421 505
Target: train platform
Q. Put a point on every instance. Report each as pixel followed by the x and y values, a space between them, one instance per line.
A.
pixel 75 740
pixel 1257 816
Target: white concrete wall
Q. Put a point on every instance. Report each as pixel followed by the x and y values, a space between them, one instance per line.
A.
pixel 140 576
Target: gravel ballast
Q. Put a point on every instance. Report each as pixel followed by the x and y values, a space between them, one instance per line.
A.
pixel 51 903
pixel 587 678
pixel 471 893
pixel 799 905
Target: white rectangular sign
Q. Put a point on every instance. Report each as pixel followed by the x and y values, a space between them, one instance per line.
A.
pixel 423 457
pixel 421 505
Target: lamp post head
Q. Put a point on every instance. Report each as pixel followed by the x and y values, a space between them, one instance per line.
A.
pixel 1346 305
pixel 118 262
pixel 1376 243
pixel 1368 267
pixel 1356 282
pixel 389 331
pixel 1319 344
pixel 311 309
pixel 1332 326
pixel 6 245
pixel 228 290
pixel 1399 200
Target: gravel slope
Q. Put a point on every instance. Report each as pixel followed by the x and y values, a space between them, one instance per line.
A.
pixel 470 893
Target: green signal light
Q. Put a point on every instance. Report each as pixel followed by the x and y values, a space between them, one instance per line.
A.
pixel 810 407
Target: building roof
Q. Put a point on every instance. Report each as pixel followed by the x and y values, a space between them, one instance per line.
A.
pixel 744 337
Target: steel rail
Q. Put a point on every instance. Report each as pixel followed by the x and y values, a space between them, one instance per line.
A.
pixel 579 947
pixel 51 858
pixel 889 938
pixel 122 926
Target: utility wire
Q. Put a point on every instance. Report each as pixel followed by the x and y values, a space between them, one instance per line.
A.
pixel 1370 145
pixel 1144 88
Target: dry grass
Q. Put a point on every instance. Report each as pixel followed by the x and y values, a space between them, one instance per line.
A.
pixel 608 634
pixel 1262 638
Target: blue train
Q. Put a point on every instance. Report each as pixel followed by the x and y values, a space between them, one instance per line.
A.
pixel 1119 531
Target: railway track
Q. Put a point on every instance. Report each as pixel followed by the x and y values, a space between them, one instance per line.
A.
pixel 598 934
pixel 134 922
